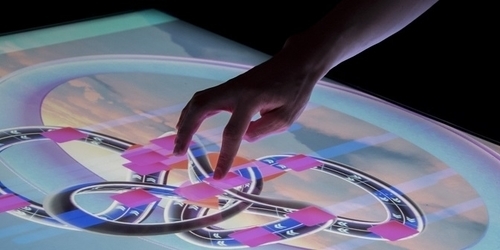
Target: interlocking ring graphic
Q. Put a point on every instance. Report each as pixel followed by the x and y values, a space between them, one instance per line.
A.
pixel 28 87
pixel 195 223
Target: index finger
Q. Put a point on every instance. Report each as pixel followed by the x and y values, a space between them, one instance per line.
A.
pixel 231 140
pixel 189 122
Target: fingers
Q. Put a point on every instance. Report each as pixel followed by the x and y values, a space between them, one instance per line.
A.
pixel 186 131
pixel 231 140
pixel 189 121
pixel 271 122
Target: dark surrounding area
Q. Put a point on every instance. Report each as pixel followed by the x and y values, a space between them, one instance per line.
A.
pixel 441 65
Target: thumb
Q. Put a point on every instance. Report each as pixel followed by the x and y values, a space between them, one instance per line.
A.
pixel 274 121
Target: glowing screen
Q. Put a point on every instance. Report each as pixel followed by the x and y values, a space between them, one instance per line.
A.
pixel 86 132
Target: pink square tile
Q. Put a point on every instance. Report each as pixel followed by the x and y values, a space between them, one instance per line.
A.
pixel 311 216
pixel 64 135
pixel 254 236
pixel 299 162
pixel 154 167
pixel 293 158
pixel 158 149
pixel 166 142
pixel 135 198
pixel 139 149
pixel 267 170
pixel 134 150
pixel 185 184
pixel 231 180
pixel 173 159
pixel 11 202
pixel 144 156
pixel 393 230
pixel 198 191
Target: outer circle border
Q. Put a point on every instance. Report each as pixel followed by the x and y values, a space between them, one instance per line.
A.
pixel 462 153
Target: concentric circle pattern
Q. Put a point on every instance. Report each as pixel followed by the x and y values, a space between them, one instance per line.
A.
pixel 28 87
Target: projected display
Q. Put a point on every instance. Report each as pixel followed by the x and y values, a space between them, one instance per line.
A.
pixel 86 139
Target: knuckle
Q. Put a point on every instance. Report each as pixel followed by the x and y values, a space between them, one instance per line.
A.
pixel 196 102
pixel 197 94
pixel 198 99
pixel 283 122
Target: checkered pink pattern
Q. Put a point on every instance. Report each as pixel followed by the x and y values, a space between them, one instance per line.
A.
pixel 311 216
pixel 11 202
pixel 254 236
pixel 393 230
pixel 135 198
pixel 299 162
pixel 64 135
pixel 197 192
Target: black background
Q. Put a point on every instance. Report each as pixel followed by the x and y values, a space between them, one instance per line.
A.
pixel 443 64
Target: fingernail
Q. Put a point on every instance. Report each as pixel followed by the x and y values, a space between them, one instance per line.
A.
pixel 218 174
pixel 176 150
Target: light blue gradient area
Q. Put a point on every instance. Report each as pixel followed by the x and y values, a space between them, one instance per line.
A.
pixel 19 228
pixel 82 30
pixel 352 146
pixel 37 236
pixel 476 165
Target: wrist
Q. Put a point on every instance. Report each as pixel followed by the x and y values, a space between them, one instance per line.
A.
pixel 315 57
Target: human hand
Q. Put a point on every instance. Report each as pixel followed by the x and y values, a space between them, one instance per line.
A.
pixel 278 89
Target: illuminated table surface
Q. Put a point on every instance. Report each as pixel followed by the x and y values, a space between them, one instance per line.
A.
pixel 122 82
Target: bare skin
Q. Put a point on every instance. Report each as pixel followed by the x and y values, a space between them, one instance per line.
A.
pixel 279 88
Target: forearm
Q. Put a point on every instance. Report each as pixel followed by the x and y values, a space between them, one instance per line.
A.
pixel 350 28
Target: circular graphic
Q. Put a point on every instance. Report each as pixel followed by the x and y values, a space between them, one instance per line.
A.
pixel 61 208
pixel 473 161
